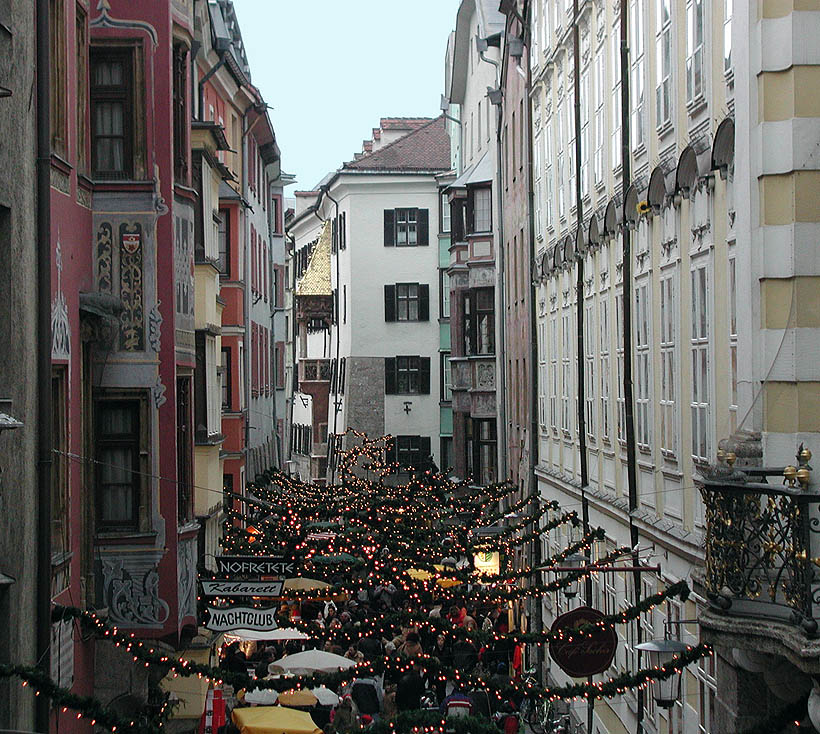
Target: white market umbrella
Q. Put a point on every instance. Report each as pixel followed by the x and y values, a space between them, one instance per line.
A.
pixel 312 661
pixel 325 696
pixel 262 696
pixel 281 633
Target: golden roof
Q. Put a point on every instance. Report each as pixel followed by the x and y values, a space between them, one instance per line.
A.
pixel 316 280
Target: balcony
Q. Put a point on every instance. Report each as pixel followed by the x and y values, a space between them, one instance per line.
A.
pixel 314 370
pixel 762 548
pixel 474 383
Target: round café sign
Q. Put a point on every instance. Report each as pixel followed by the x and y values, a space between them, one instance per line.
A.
pixel 586 654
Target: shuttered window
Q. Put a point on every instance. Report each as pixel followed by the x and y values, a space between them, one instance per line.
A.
pixel 407 302
pixel 407 375
pixel 406 227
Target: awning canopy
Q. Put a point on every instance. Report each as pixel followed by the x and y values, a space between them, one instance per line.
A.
pixel 274 720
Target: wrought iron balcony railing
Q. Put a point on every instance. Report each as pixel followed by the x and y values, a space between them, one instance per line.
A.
pixel 762 543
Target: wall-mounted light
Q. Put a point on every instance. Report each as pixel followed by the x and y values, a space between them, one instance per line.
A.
pixel 515 46
pixel 495 95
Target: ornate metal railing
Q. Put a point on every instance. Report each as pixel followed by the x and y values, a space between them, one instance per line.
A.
pixel 762 536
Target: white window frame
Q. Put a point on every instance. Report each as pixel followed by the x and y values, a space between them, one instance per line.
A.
pixel 664 76
pixel 210 225
pixel 695 51
pixel 728 12
pixel 706 674
pixel 590 397
pixel 585 133
pixel 445 214
pixel 554 373
pixel 566 372
pixel 620 401
pixel 700 352
pixel 213 386
pixel 643 366
pixel 615 122
pixel 667 402
pixel 637 92
pixel 482 209
pixel 548 186
pixel 733 398
pixel 606 375
pixel 600 117
pixel 539 193
pixel 542 374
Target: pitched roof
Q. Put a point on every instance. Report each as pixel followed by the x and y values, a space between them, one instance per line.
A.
pixel 316 280
pixel 424 149
pixel 402 123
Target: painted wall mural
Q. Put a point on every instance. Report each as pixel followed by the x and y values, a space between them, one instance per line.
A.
pixel 130 590
pixel 132 318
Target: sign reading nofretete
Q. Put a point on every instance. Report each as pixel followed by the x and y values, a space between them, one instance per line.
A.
pixel 241 588
pixel 585 654
pixel 225 620
pixel 254 565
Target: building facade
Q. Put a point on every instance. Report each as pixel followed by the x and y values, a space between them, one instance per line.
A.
pixel 668 316
pixel 470 370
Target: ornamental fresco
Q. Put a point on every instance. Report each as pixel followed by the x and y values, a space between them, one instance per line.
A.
pixel 132 318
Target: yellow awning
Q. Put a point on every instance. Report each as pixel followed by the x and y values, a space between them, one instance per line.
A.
pixel 274 720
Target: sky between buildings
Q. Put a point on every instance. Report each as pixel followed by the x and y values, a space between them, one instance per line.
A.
pixel 331 68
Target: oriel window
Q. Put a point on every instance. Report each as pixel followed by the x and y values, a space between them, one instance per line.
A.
pixel 111 113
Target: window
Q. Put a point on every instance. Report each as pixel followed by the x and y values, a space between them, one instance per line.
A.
pixel 479 321
pixel 444 300
pixel 542 373
pixel 446 378
pixel 600 116
pixel 409 451
pixel 539 188
pixel 57 77
pixel 82 90
pixel 111 113
pixel 554 373
pixel 210 216
pixel 407 302
pixel 663 62
pixel 585 133
pixel 407 375
pixel 480 437
pixel 732 345
pixel 694 50
pixel 548 187
pixel 701 371
pixel 643 370
pixel 342 376
pixel 405 227
pixel 118 456
pixel 605 374
pixel 619 355
pixel 212 387
pixel 479 210
pixel 226 378
pixel 559 162
pixel 637 91
pixel 566 373
pixel 279 352
pixel 706 674
pixel 446 453
pixel 727 35
pixel 180 112
pixel 589 367
pixel 669 437
pixel 445 214
pixel 615 120
pixel 224 242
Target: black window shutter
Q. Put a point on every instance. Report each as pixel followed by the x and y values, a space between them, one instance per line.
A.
pixel 389 228
pixel 389 303
pixel 334 233
pixel 343 231
pixel 469 212
pixel 424 449
pixel 424 302
pixel 342 375
pixel 424 227
pixel 424 375
pixel 389 375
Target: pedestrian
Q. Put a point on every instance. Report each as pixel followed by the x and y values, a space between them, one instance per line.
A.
pixel 410 689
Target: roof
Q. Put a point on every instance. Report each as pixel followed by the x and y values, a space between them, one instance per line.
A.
pixel 316 280
pixel 424 149
pixel 401 123
pixel 481 172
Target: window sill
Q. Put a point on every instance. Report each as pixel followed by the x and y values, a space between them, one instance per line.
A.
pixel 61 164
pixel 122 184
pixel 214 439
pixel 664 129
pixel 128 534
pixel 696 105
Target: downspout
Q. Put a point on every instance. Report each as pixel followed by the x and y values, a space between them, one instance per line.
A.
pixel 501 404
pixel 201 88
pixel 533 448
pixel 579 315
pixel 289 398
pixel 44 408
pixel 632 480
pixel 246 296
pixel 325 190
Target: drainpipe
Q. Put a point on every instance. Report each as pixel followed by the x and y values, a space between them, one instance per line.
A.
pixel 201 89
pixel 579 315
pixel 44 436
pixel 632 480
pixel 246 296
pixel 326 191
pixel 533 298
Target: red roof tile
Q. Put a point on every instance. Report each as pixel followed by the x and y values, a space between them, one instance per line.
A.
pixel 402 123
pixel 425 148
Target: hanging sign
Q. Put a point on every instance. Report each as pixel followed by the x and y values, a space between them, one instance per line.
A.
pixel 225 620
pixel 241 588
pixel 254 565
pixel 488 564
pixel 586 654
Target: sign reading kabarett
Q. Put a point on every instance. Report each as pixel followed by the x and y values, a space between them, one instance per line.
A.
pixel 254 565
pixel 241 588
pixel 588 653
pixel 225 620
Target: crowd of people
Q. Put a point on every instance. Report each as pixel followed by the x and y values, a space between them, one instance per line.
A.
pixel 347 629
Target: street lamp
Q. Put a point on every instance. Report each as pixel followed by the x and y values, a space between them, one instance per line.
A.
pixel 572 563
pixel 661 652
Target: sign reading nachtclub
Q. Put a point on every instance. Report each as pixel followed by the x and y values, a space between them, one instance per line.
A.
pixel 254 565
pixel 217 587
pixel 585 654
pixel 225 620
